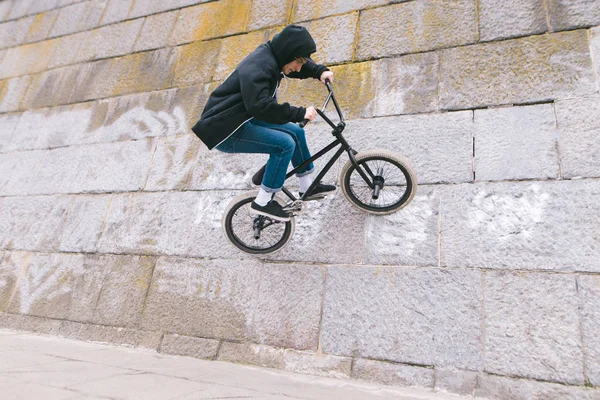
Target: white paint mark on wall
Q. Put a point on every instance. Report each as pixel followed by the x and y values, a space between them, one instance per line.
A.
pixel 507 215
pixel 69 127
pixel 400 233
pixel 209 210
pixel 45 280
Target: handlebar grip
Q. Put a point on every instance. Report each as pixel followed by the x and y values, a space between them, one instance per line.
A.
pixel 303 123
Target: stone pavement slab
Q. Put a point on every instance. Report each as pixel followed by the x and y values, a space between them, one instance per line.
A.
pixel 35 367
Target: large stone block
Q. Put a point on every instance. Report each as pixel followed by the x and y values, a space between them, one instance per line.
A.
pixel 502 388
pixel 566 14
pixel 254 354
pixel 175 223
pixel 67 50
pixel 268 13
pixel 439 146
pixel 233 50
pixel 522 225
pixel 532 326
pixel 214 19
pixel 71 125
pixel 32 223
pixel 56 172
pixel 19 171
pixel 84 223
pixel 110 41
pixel 501 20
pixel 27 59
pixel 197 63
pixel 322 235
pixel 424 316
pixel 392 373
pixel 144 72
pixel 58 285
pixel 189 346
pixel 94 80
pixel 120 166
pixel 415 27
pixel 406 85
pixel 51 88
pixel 78 17
pixel 12 93
pixel 313 9
pixel 287 309
pixel 516 143
pixel 334 37
pixel 116 11
pixel 13 33
pixel 156 30
pixel 578 128
pixel 407 237
pixel 124 289
pixel 234 301
pixel 40 26
pixel 173 163
pixel 537 68
pixel 25 136
pixel 589 293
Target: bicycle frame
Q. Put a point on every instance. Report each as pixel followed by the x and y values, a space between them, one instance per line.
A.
pixel 339 140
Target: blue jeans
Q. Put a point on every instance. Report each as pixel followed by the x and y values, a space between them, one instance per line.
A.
pixel 283 143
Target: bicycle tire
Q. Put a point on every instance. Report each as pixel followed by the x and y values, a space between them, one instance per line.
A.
pixel 385 156
pixel 239 240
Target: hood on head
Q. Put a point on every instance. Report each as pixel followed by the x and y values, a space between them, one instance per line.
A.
pixel 292 42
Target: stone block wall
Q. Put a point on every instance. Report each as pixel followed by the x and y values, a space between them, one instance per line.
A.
pixel 487 284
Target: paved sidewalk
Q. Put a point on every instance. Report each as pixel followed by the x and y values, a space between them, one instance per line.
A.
pixel 43 367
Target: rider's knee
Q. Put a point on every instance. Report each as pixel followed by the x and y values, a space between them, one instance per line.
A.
pixel 288 145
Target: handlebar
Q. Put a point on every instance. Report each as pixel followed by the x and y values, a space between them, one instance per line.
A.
pixel 305 121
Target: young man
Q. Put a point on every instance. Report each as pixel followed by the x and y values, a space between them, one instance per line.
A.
pixel 242 115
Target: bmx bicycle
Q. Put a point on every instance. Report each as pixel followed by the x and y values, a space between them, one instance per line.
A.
pixel 375 181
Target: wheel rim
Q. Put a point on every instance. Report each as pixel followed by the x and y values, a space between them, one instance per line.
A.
pixel 395 191
pixel 241 223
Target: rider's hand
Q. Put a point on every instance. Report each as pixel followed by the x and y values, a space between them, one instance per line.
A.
pixel 327 75
pixel 310 114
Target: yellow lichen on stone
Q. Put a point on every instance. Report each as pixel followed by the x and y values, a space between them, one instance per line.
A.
pixel 196 63
pixel 234 49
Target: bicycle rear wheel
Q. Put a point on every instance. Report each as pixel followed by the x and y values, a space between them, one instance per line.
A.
pixel 251 233
pixel 395 177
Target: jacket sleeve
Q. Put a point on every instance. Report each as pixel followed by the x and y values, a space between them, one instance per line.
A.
pixel 259 101
pixel 309 70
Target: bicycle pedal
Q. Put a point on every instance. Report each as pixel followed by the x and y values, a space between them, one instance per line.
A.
pixel 294 207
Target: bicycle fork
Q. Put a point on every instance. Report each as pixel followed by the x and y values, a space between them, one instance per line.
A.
pixel 376 181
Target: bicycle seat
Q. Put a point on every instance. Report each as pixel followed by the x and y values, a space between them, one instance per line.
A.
pixel 258 176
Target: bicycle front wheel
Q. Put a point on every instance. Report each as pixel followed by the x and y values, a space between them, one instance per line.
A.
pixel 251 233
pixel 393 182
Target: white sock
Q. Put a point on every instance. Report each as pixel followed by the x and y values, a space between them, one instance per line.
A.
pixel 263 197
pixel 305 182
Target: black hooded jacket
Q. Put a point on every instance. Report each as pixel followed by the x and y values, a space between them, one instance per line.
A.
pixel 249 92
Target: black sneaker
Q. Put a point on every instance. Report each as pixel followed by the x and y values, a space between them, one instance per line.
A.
pixel 319 191
pixel 272 210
